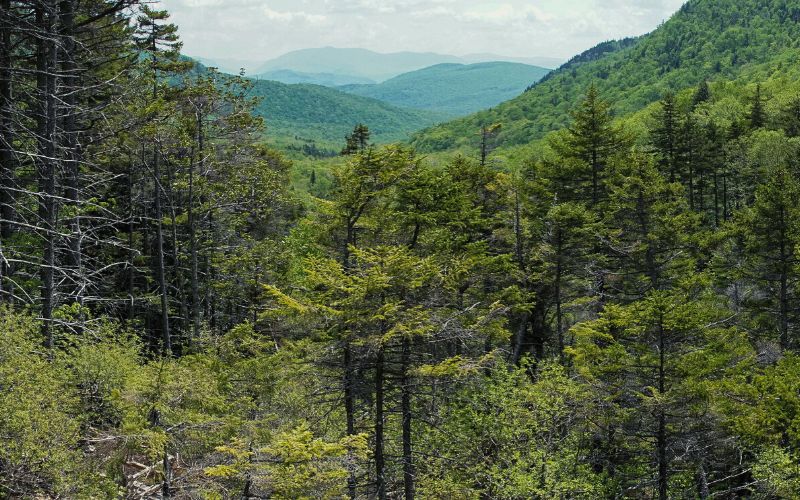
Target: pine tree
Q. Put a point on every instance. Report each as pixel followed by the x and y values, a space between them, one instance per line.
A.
pixel 650 361
pixel 690 157
pixel 358 141
pixel 650 230
pixel 160 44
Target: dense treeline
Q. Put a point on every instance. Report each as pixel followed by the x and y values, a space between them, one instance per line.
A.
pixel 617 318
pixel 126 176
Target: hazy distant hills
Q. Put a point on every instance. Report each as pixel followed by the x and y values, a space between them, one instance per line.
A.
pixel 356 65
pixel 354 62
pixel 454 89
pixel 326 79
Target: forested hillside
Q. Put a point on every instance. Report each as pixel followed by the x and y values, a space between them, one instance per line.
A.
pixel 326 79
pixel 715 40
pixel 454 89
pixel 325 114
pixel 617 316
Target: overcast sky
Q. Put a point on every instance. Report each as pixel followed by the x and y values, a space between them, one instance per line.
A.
pixel 259 30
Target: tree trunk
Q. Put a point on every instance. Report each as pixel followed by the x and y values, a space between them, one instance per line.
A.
pixel 408 459
pixel 7 155
pixel 520 339
pixel 46 148
pixel 380 475
pixel 193 229
pixel 349 409
pixel 166 340
pixel 177 275
pixel 661 435
pixel 131 251
pixel 166 345
pixel 716 197
pixel 784 288
pixel 69 147
pixel 559 312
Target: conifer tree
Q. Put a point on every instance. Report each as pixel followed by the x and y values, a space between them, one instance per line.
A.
pixel 488 136
pixel 665 135
pixel 790 118
pixel 702 94
pixel 358 141
pixel 650 359
pixel 770 230
pixel 757 116
pixel 593 140
pixel 159 43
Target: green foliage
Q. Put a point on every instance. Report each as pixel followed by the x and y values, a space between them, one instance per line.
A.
pixel 454 89
pixel 327 115
pixel 613 316
pixel 41 421
pixel 512 438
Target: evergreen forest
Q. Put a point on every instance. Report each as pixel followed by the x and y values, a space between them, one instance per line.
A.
pixel 591 291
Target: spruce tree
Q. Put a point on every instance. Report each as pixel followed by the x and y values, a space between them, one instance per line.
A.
pixel 771 232
pixel 702 94
pixel 790 118
pixel 593 139
pixel 757 118
pixel 665 135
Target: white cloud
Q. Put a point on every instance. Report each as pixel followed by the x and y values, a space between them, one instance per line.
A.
pixel 506 13
pixel 291 16
pixel 262 29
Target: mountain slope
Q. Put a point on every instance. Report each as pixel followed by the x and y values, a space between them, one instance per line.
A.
pixel 455 89
pixel 324 114
pixel 326 79
pixel 541 61
pixel 706 39
pixel 373 65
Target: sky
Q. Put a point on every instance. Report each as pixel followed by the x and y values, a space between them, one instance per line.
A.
pixel 259 30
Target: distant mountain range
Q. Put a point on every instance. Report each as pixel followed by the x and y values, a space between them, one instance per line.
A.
pixel 454 89
pixel 326 79
pixel 351 66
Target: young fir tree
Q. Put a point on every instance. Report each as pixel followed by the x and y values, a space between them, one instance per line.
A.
pixel 652 363
pixel 790 118
pixel 664 136
pixel 593 140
